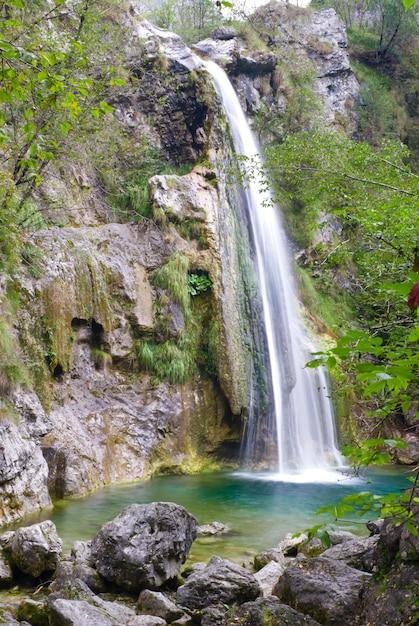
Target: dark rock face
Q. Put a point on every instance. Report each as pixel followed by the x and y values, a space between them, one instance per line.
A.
pixel 330 591
pixel 145 545
pixel 222 581
pixel 167 93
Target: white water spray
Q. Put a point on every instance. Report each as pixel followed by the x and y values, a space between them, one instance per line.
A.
pixel 304 417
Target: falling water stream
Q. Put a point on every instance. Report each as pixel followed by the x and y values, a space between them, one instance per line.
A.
pixel 304 417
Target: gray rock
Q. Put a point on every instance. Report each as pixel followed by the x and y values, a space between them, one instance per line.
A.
pixel 409 542
pixel 156 603
pixel 145 545
pixel 360 553
pixel 6 574
pixel 267 556
pixel 34 549
pixel 82 613
pixel 33 611
pixel 290 545
pixel 394 599
pixel 268 576
pixel 269 610
pixel 330 591
pixel 222 581
pixel 213 528
pixel 23 474
pixel 224 33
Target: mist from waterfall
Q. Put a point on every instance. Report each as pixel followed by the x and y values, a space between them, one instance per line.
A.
pixel 305 425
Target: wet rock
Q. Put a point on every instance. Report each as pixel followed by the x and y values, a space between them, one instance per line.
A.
pixel 213 528
pixel 330 591
pixel 222 581
pixel 144 546
pixel 33 550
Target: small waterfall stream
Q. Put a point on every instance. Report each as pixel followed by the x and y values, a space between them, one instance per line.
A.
pixel 303 411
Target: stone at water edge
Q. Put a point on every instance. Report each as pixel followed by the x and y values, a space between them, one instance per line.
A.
pixel 34 549
pixel 144 546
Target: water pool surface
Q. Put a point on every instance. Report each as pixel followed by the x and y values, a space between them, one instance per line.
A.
pixel 259 508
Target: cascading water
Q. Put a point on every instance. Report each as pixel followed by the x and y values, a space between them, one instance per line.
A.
pixel 303 411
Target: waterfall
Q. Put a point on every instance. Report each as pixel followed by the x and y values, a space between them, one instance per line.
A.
pixel 305 426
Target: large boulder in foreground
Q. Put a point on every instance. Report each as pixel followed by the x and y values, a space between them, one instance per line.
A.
pixel 144 546
pixel 220 582
pixel 328 590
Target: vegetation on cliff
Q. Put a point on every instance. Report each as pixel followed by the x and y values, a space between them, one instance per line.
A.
pixel 61 72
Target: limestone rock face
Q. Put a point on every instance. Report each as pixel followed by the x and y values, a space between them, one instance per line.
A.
pixel 23 474
pixel 316 38
pixel 145 545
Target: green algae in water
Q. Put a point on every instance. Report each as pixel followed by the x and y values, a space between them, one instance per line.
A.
pixel 258 510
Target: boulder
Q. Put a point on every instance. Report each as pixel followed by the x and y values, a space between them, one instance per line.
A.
pixel 267 556
pixel 213 528
pixel 328 590
pixel 360 553
pixel 393 601
pixel 82 613
pixel 156 603
pixel 33 611
pixel 33 550
pixel 23 473
pixel 222 581
pixel 6 574
pixel 268 576
pixel 144 546
pixel 269 610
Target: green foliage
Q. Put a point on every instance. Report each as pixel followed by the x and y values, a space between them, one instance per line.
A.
pixel 363 190
pixel 191 19
pixel 124 167
pixel 173 277
pixel 198 283
pixel 46 85
pixel 378 29
pixel 380 116
pixel 175 362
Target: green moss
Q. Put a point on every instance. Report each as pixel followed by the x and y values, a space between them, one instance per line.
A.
pixel 173 277
pixel 321 305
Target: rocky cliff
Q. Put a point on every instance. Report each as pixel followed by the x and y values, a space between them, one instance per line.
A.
pixel 130 368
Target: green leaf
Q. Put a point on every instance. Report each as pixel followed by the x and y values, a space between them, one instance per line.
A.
pixel 408 4
pixel 324 537
pixel 119 82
